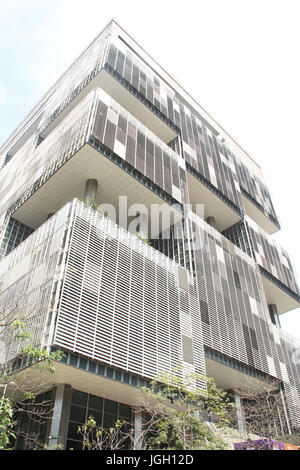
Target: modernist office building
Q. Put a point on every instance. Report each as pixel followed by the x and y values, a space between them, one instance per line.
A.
pixel 117 129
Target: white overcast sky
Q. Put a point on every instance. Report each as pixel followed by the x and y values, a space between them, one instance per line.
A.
pixel 239 59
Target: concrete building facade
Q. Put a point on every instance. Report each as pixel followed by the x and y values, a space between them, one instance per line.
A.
pixel 205 292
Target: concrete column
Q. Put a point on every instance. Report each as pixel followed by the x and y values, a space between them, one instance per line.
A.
pixel 60 417
pixel 211 221
pixel 240 413
pixel 274 315
pixel 138 430
pixel 143 225
pixel 91 189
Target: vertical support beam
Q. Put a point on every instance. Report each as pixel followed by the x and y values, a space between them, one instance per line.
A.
pixel 91 189
pixel 60 418
pixel 274 315
pixel 239 413
pixel 211 221
pixel 138 430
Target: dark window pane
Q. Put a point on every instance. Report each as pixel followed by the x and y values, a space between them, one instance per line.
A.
pixel 134 381
pixel 118 375
pixel 79 398
pixel 111 406
pixel 72 431
pixel 95 402
pixel 92 366
pixel 82 363
pixel 109 421
pixel 124 411
pixel 97 415
pixel 73 360
pixel 78 414
pixel 74 445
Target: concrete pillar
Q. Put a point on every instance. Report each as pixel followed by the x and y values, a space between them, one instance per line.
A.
pixel 138 430
pixel 91 189
pixel 239 413
pixel 60 417
pixel 143 225
pixel 274 315
pixel 211 221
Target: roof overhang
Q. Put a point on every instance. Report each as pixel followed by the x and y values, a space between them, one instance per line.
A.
pixel 70 181
pixel 275 295
pixel 84 381
pixel 259 217
pixel 126 99
pixel 213 205
pixel 229 378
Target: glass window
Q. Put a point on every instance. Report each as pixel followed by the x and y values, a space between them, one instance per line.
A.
pixel 109 420
pixel 96 403
pixel 110 406
pixel 78 414
pixel 76 445
pixel 79 398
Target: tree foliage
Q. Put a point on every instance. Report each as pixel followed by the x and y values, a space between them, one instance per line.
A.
pixel 18 391
pixel 264 412
pixel 175 406
pixel 171 418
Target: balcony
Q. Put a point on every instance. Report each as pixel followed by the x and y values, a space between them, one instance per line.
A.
pixel 277 293
pixel 256 211
pixel 84 147
pixel 92 288
pixel 276 270
pixel 215 203
pixel 122 92
pixel 257 200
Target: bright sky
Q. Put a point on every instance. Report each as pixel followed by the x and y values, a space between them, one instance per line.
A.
pixel 238 59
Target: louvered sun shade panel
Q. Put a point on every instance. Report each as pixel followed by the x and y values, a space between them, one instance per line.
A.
pixel 27 278
pixel 201 149
pixel 271 256
pixel 233 308
pixel 14 233
pixel 289 355
pixel 129 139
pixel 76 78
pixel 31 167
pixel 255 190
pixel 120 301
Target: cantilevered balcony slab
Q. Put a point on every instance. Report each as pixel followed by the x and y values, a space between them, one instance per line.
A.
pixel 70 181
pixel 124 97
pixel 279 294
pixel 229 378
pixel 259 216
pixel 84 381
pixel 225 214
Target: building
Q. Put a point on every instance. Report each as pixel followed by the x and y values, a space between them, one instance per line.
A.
pixel 208 290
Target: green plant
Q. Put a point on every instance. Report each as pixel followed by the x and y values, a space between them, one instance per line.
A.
pixel 6 423
pixel 145 240
pixel 91 203
pixel 96 437
pixel 21 390
pixel 174 407
pixel 171 418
